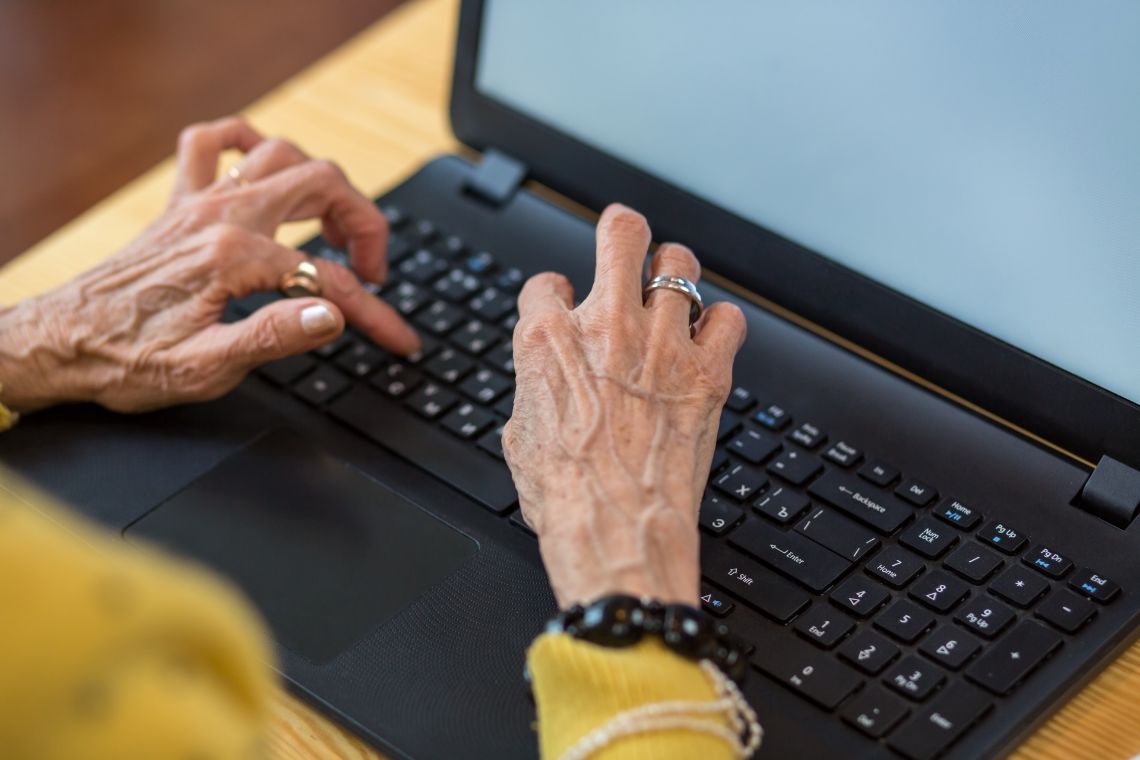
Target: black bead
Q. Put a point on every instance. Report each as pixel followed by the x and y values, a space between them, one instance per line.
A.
pixel 613 621
pixel 687 632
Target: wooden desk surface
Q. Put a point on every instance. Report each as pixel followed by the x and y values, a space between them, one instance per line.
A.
pixel 378 106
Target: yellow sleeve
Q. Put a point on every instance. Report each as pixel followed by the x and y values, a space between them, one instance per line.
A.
pixel 109 651
pixel 579 687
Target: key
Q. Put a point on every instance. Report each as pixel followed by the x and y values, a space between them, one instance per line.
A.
pixel 449 366
pixel 928 538
pixel 475 337
pixel 974 563
pixel 450 246
pixel 781 504
pixel 843 454
pixel 916 492
pixel 833 530
pixel 1020 586
pixel 729 424
pixel 1044 560
pixel 492 304
pixel 492 442
pixel 1013 658
pixel 468 421
pixel 773 417
pixel 869 651
pixel 431 400
pixel 359 359
pixel 430 449
pixel 750 582
pixel 879 473
pixel 510 279
pixel 790 553
pixel 428 346
pixel 480 263
pixel 795 467
pixel 395 215
pixel 322 386
pixel 505 406
pixel 874 711
pixel 939 591
pixel 823 625
pixel 807 435
pixel 894 567
pixel 740 482
pixel 1094 585
pixel 715 604
pixel 754 445
pixel 958 514
pixel 424 231
pixel 740 400
pixel 860 595
pixel 806 670
pixel 950 646
pixel 422 267
pixel 883 512
pixel 1066 611
pixel 397 379
pixel 1003 537
pixel 330 349
pixel 439 318
pixel 719 460
pixel 985 615
pixel 502 357
pixel 288 370
pixel 457 286
pixel 485 386
pixel 938 725
pixel 406 298
pixel 914 678
pixel 718 515
pixel 904 621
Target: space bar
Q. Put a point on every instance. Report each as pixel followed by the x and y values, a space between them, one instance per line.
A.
pixel 460 466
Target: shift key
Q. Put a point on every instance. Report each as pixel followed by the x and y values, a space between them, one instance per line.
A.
pixel 799 558
pixel 883 512
pixel 758 587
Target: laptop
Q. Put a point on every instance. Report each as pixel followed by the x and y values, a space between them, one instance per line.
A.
pixel 921 513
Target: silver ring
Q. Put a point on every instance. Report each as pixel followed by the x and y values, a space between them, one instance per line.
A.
pixel 679 285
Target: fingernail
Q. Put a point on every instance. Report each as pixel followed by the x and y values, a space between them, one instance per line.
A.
pixel 316 320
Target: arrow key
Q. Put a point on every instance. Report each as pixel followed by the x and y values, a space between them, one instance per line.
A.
pixel 740 482
pixel 868 651
pixel 859 595
pixel 950 646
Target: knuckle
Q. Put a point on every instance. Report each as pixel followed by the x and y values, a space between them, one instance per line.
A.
pixel 326 171
pixel 279 148
pixel 227 240
pixel 191 137
pixel 677 255
pixel 266 337
pixel 538 330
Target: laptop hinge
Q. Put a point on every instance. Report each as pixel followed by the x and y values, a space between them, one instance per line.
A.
pixel 495 178
pixel 1112 492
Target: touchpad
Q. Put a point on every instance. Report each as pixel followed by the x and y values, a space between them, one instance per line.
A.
pixel 325 552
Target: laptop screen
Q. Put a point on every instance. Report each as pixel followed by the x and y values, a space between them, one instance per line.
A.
pixel 980 157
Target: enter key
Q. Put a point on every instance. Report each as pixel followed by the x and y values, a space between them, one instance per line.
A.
pixel 792 554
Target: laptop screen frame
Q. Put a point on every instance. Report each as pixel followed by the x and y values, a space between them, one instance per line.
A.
pixel 1050 402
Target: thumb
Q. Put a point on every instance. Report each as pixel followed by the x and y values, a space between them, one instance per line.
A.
pixel 282 328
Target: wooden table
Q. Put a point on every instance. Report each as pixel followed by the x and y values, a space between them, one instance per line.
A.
pixel 378 106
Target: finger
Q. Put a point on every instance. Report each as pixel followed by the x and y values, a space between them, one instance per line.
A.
pixel 721 331
pixel 265 261
pixel 320 189
pixel 199 146
pixel 269 157
pixel 675 260
pixel 622 243
pixel 276 330
pixel 546 291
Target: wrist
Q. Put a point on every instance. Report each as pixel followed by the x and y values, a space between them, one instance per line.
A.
pixel 31 365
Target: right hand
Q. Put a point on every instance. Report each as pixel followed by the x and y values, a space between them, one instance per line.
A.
pixel 615 420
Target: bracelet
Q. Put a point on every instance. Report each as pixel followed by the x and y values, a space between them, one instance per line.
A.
pixel 8 418
pixel 622 621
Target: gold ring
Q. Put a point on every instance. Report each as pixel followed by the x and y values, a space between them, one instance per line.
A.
pixel 301 282
pixel 234 173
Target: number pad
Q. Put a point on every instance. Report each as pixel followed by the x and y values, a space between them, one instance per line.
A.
pixel 985 616
pixel 823 625
pixel 859 595
pixel 950 646
pixel 938 591
pixel 914 678
pixel 869 651
pixel 973 562
pixel 904 621
pixel 894 567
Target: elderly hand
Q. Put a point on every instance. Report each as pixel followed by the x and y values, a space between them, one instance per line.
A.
pixel 615 419
pixel 142 330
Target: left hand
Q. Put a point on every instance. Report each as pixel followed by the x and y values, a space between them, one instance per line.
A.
pixel 142 330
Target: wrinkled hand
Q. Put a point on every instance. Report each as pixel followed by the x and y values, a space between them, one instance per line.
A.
pixel 142 330
pixel 615 419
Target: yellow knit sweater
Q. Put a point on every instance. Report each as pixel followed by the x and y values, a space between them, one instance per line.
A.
pixel 108 651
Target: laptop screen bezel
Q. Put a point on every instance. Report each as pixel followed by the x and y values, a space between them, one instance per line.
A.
pixel 1042 398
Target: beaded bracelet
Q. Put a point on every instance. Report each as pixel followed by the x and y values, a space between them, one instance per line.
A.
pixel 622 621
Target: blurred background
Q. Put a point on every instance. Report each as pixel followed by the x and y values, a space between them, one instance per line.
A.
pixel 94 92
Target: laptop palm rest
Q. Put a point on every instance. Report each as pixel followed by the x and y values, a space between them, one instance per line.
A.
pixel 326 553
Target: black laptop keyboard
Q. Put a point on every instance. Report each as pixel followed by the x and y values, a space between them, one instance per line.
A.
pixel 907 613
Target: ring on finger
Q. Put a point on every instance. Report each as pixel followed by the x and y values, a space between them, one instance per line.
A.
pixel 235 174
pixel 678 285
pixel 304 280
